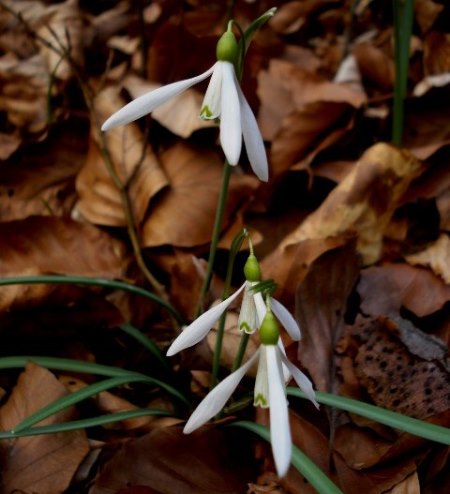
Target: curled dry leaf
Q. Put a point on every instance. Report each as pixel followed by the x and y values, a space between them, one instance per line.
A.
pixel 183 215
pixel 181 114
pixel 385 289
pixel 363 203
pixel 45 245
pixel 208 461
pixel 436 256
pixel 40 464
pixel 132 159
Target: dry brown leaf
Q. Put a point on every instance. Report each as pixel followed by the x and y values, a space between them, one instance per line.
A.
pixel 207 461
pixel 375 66
pixel 436 256
pixel 40 180
pixel 62 28
pixel 23 92
pixel 363 202
pixel 320 303
pixel 134 162
pixel 410 485
pixel 285 87
pixel 181 114
pixel 40 464
pixel 385 289
pixel 443 205
pixel 46 245
pixel 184 214
pixel 8 145
pixel 436 54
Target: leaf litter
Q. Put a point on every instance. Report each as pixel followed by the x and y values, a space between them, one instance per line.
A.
pixel 352 229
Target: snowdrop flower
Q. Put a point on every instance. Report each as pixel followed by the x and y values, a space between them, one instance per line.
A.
pixel 252 313
pixel 270 392
pixel 224 99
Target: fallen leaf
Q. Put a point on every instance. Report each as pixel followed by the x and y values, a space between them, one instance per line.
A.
pixel 385 289
pixel 436 256
pixel 363 202
pixel 184 214
pixel 410 485
pixel 134 163
pixel 40 464
pixel 321 302
pixel 43 245
pixel 208 461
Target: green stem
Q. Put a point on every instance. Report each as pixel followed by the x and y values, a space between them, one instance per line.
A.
pixel 241 351
pixel 215 234
pixel 403 21
pixel 235 247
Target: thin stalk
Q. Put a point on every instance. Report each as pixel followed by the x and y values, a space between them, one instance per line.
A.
pixel 215 234
pixel 241 351
pixel 403 21
pixel 235 247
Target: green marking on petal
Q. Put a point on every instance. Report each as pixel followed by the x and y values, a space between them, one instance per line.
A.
pixel 206 112
pixel 260 400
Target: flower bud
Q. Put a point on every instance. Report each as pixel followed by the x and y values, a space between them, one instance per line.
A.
pixel 227 48
pixel 252 270
pixel 269 331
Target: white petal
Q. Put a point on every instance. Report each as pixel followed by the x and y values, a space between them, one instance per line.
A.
pixel 286 319
pixel 247 316
pixel 280 432
pixel 199 328
pixel 230 116
pixel 261 393
pixel 151 100
pixel 286 374
pixel 261 308
pixel 253 140
pixel 211 102
pixel 215 400
pixel 302 381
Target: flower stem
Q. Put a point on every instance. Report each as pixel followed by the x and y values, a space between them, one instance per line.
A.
pixel 235 247
pixel 241 351
pixel 223 194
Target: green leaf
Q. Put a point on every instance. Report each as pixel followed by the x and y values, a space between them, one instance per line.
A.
pixel 84 280
pixel 69 365
pixel 85 423
pixel 312 473
pixel 255 25
pixel 392 419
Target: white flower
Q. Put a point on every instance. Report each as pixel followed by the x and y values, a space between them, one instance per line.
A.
pixel 223 99
pixel 269 392
pixel 253 310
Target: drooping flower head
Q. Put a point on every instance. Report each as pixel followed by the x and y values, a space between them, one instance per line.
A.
pixel 224 100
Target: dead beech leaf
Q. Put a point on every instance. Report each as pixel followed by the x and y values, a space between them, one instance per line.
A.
pixel 443 205
pixel 285 88
pixel 134 162
pixel 385 289
pixel 183 215
pixel 23 94
pixel 321 302
pixel 208 461
pixel 363 202
pixel 410 485
pixel 39 464
pixel 396 378
pixel 8 145
pixel 45 245
pixel 436 256
pixel 40 179
pixel 181 114
pixel 375 66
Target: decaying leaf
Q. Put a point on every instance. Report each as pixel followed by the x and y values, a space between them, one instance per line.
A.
pixel 436 256
pixel 184 214
pixel 363 202
pixel 207 461
pixel 135 164
pixel 39 464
